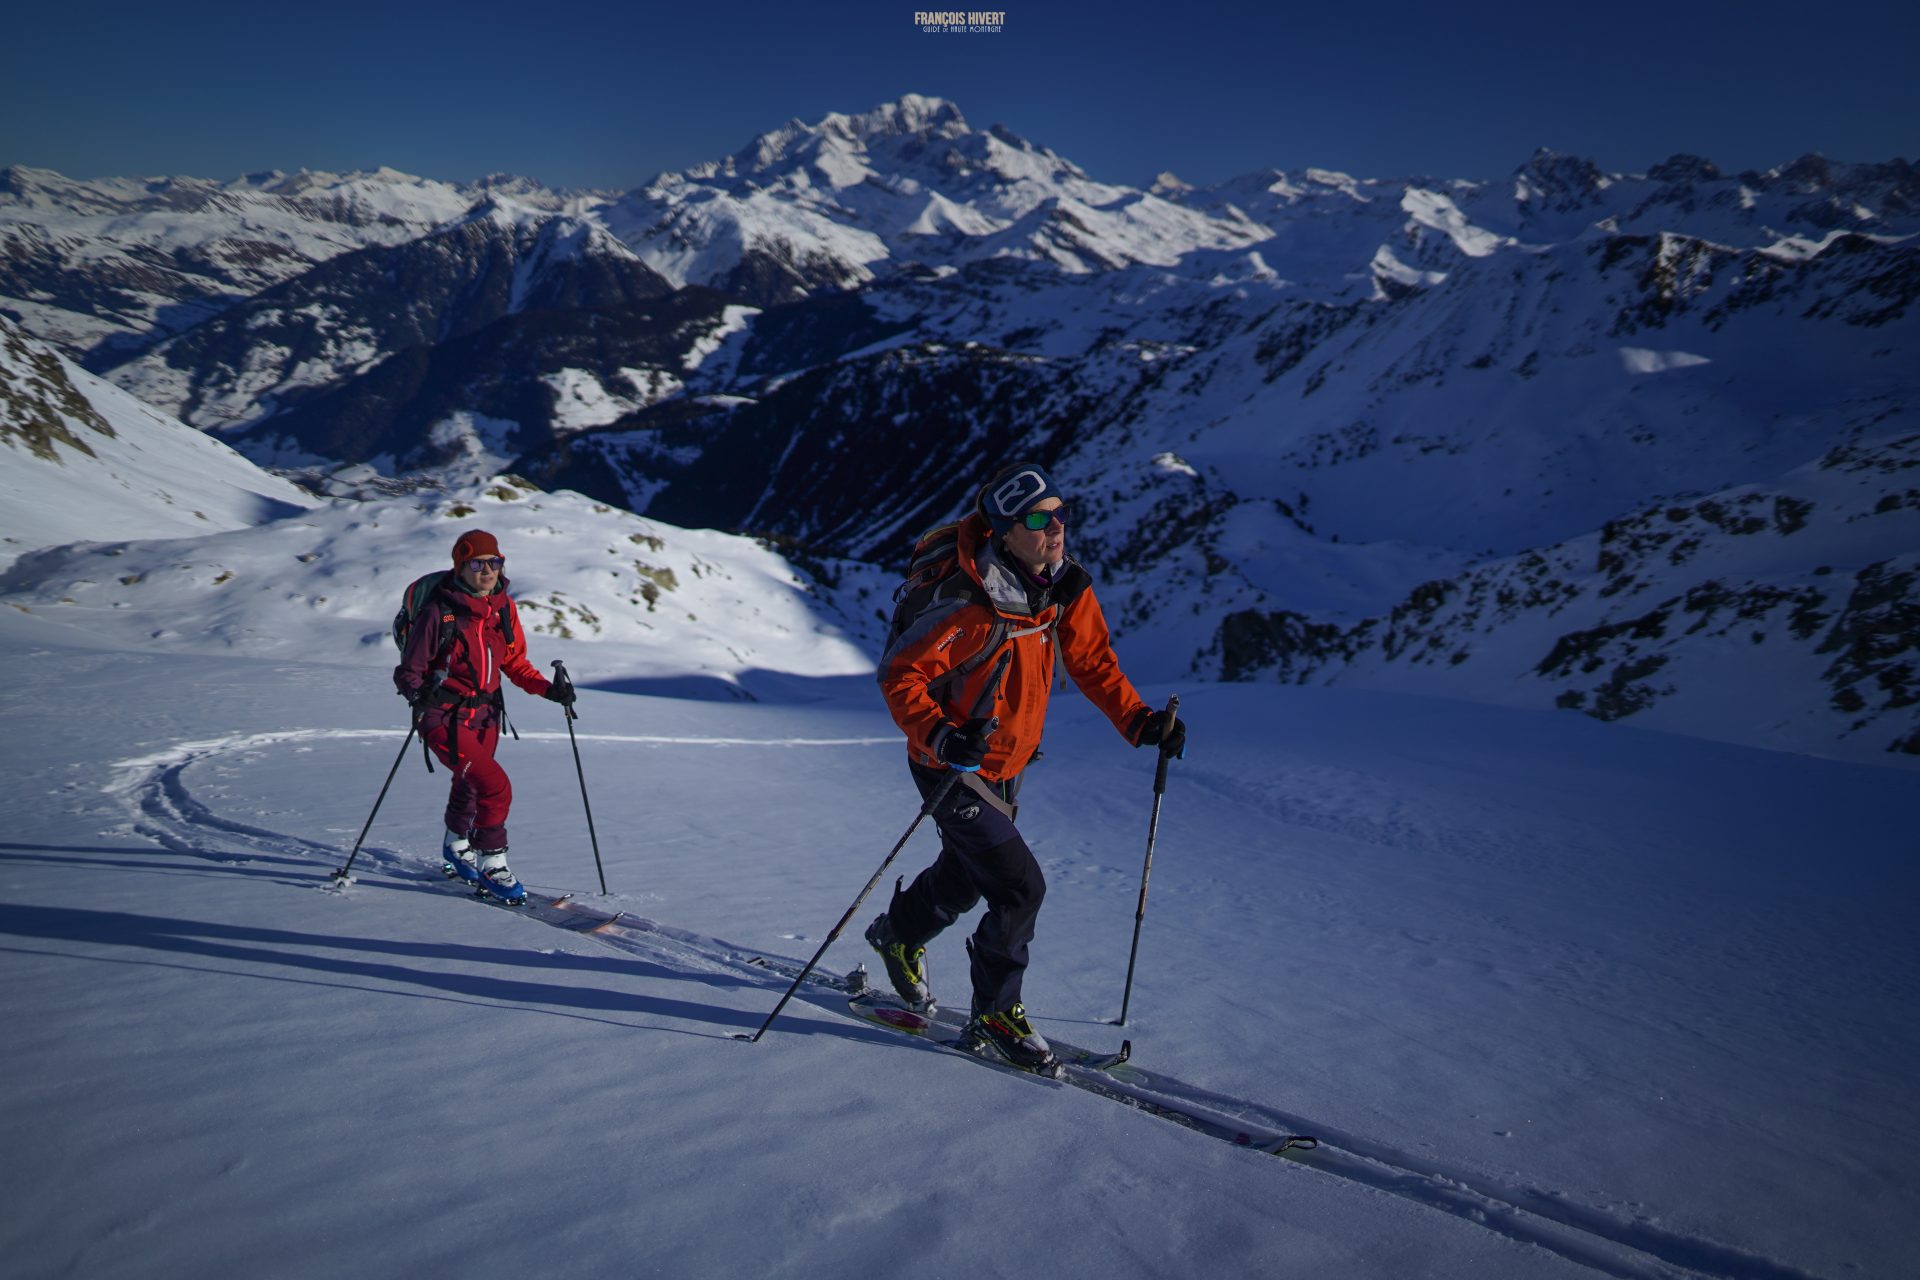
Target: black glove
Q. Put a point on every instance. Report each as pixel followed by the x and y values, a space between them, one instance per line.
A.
pixel 964 746
pixel 1155 733
pixel 560 691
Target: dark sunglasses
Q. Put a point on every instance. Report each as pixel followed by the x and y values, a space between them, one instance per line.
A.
pixel 484 564
pixel 1038 520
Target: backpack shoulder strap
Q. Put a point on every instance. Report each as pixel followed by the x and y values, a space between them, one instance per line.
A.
pixel 432 593
pixel 999 631
pixel 509 619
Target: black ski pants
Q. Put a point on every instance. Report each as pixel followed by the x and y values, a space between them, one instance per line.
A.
pixel 982 855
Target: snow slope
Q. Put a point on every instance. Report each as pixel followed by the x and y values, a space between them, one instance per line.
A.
pixel 732 616
pixel 1562 999
pixel 1559 998
pixel 82 459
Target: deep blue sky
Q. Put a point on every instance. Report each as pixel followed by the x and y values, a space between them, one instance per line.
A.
pixel 607 94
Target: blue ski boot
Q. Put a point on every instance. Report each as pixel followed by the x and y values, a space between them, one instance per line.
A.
pixel 460 863
pixel 496 881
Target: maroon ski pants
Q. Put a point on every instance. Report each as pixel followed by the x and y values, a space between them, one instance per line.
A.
pixel 480 793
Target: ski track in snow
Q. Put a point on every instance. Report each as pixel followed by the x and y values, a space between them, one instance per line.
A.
pixel 162 808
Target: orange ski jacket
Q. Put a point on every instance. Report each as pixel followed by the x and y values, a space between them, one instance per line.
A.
pixel 916 671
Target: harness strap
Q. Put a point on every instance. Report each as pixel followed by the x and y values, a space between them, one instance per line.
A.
pixel 998 794
pixel 444 697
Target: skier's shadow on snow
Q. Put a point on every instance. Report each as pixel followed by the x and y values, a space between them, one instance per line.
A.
pixel 231 863
pixel 256 946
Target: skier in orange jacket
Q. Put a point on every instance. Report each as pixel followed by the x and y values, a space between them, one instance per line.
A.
pixel 1016 589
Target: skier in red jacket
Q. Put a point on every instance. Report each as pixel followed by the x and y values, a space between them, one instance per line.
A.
pixel 1021 593
pixel 465 637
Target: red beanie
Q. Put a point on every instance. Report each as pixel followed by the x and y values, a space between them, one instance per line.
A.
pixel 472 544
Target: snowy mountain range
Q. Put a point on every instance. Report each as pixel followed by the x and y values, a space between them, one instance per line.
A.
pixel 1636 444
pixel 112 266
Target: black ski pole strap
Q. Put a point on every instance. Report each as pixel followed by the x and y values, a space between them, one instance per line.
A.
pixel 426 756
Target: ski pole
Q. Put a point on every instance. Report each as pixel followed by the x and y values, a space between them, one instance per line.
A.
pixel 981 708
pixel 1153 829
pixel 561 677
pixel 340 876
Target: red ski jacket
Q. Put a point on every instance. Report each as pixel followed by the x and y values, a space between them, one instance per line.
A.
pixel 945 636
pixel 474 639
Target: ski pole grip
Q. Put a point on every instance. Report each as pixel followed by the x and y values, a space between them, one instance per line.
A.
pixel 1160 769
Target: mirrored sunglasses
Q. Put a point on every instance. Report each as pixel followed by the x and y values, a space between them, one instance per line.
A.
pixel 486 564
pixel 1038 520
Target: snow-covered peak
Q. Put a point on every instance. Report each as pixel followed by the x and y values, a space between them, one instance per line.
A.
pixel 912 114
pixel 1558 183
pixel 894 141
pixel 502 211
pixel 528 191
pixel 1335 181
pixel 42 191
pixel 832 203
pixel 382 196
pixel 1682 168
pixel 540 242
pixel 1809 173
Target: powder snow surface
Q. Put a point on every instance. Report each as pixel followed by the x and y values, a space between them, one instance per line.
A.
pixel 1586 1000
